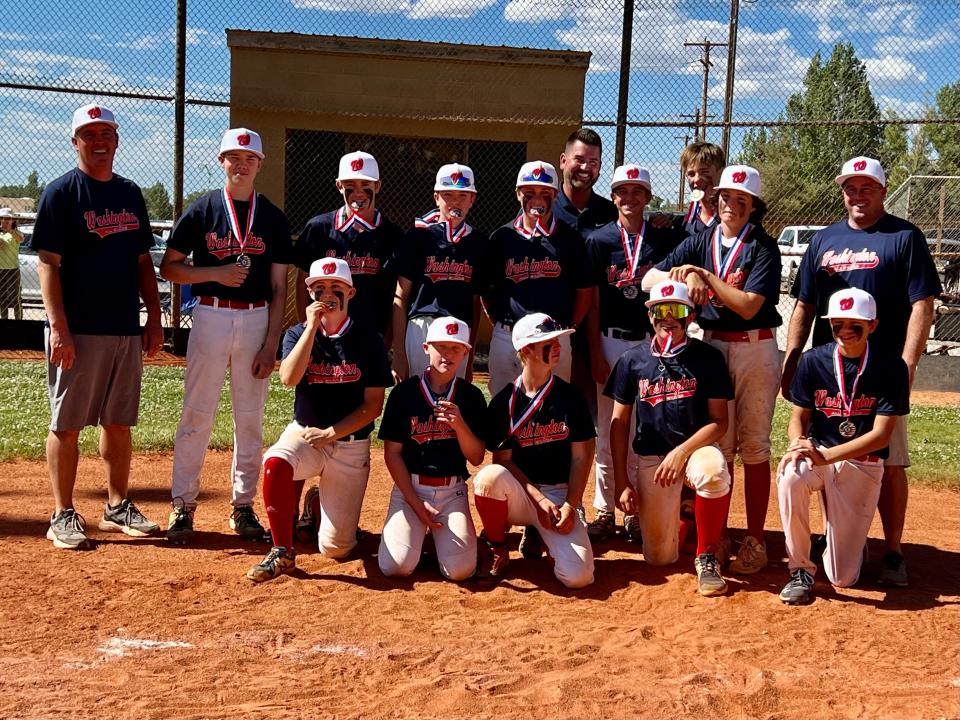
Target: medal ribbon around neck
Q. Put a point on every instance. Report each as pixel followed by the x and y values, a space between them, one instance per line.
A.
pixel 345 219
pixel 724 268
pixel 535 403
pixel 693 211
pixel 538 230
pixel 434 218
pixel 841 382
pixel 632 255
pixel 431 399
pixel 344 326
pixel 234 221
pixel 669 350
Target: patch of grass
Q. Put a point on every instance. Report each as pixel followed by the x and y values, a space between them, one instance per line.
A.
pixel 25 414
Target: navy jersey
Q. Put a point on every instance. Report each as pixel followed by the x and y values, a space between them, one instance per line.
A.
pixel 608 265
pixel 535 274
pixel 890 260
pixel 341 367
pixel 431 447
pixel 598 212
pixel 445 272
pixel 883 389
pixel 691 223
pixel 204 232
pixel 670 394
pixel 541 447
pixel 99 229
pixel 756 269
pixel 368 252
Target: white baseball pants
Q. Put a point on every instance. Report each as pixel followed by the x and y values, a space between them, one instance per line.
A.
pixel 417 359
pixel 222 338
pixel 505 366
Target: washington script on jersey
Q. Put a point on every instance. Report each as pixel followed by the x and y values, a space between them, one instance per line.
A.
pixel 663 389
pixel 223 247
pixel 447 269
pixel 430 430
pixel 846 260
pixel 111 222
pixel 621 276
pixel 832 405
pixel 537 434
pixel 359 264
pixel 531 270
pixel 328 373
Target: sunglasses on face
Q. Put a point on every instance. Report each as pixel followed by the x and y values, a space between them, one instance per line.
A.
pixel 678 310
pixel 547 326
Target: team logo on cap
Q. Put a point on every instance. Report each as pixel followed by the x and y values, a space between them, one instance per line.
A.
pixel 452 329
pixel 537 171
pixel 633 173
pixel 846 303
pixel 455 177
pixel 739 177
pixel 94 113
pixel 666 291
pixel 356 164
pixel 860 166
pixel 243 139
pixel 329 268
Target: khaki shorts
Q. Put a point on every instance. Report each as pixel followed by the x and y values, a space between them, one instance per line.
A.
pixel 898 448
pixel 102 387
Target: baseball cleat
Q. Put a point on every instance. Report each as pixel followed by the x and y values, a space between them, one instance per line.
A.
pixel 67 530
pixel 531 544
pixel 492 558
pixel 799 591
pixel 244 522
pixel 603 526
pixel 309 522
pixel 631 528
pixel 710 581
pixel 180 523
pixel 751 557
pixel 894 570
pixel 126 518
pixel 279 561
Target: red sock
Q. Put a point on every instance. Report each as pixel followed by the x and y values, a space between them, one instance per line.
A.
pixel 711 518
pixel 493 515
pixel 756 491
pixel 279 499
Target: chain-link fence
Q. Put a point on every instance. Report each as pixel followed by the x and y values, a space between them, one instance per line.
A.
pixel 793 88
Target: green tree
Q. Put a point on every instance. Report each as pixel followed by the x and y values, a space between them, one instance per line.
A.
pixel 31 189
pixel 158 202
pixel 656 203
pixel 946 138
pixel 195 195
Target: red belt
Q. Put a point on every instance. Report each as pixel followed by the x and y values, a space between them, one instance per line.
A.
pixel 432 481
pixel 868 458
pixel 742 336
pixel 231 304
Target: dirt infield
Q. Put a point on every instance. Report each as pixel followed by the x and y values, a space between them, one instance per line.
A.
pixel 137 629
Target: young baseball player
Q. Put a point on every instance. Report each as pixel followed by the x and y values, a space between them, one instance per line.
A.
pixel 702 164
pixel 340 371
pixel 438 272
pixel 431 427
pixel 733 271
pixel 360 234
pixel 889 258
pixel 681 390
pixel 846 395
pixel 240 246
pixel 536 264
pixel 542 438
pixel 620 254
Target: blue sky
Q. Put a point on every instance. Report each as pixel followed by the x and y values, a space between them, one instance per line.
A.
pixel 910 49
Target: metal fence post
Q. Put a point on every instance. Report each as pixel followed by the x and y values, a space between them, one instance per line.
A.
pixel 178 134
pixel 625 48
pixel 731 68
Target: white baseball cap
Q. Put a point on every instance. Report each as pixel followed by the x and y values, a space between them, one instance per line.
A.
pixel 669 291
pixel 358 166
pixel 851 304
pixel 242 139
pixel 448 329
pixel 6 213
pixel 455 177
pixel 861 167
pixel 538 173
pixel 627 174
pixel 329 268
pixel 740 177
pixel 536 327
pixel 90 114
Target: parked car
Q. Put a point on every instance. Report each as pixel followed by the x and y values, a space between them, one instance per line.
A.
pixel 793 243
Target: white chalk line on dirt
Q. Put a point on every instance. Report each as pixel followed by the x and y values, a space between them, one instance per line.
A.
pixel 119 647
pixel 339 650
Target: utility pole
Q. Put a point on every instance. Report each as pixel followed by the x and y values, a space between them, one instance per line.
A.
pixel 705 61
pixel 731 70
pixel 683 179
pixel 626 45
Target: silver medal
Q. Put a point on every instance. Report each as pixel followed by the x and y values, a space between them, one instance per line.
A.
pixel 696 195
pixel 847 429
pixel 243 261
pixel 630 292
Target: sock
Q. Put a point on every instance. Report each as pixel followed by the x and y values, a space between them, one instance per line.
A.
pixel 279 499
pixel 493 514
pixel 711 517
pixel 756 491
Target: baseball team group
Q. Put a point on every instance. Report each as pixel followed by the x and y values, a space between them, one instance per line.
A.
pixel 630 343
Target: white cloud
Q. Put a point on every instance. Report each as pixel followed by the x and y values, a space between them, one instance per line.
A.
pixel 904 45
pixel 447 8
pixel 371 7
pixel 905 109
pixel 151 41
pixel 411 9
pixel 836 20
pixel 13 37
pixel 892 69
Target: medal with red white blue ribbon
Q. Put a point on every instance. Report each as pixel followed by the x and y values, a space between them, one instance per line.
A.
pixel 723 268
pixel 632 256
pixel 535 403
pixel 433 400
pixel 847 428
pixel 345 219
pixel 435 218
pixel 243 260
pixel 539 229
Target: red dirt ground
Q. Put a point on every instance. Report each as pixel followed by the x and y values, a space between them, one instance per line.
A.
pixel 78 629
